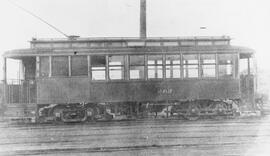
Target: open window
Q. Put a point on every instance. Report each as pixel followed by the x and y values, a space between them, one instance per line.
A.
pixel 136 67
pixel 98 67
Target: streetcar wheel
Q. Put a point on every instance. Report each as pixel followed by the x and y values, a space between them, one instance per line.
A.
pixel 193 112
pixel 90 114
pixel 219 109
pixel 57 112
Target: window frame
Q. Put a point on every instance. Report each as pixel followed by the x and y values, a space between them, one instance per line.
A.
pixel 87 66
pixel 52 66
pixel 137 65
pixel 159 68
pixel 212 64
pixel 171 65
pixel 156 67
pixel 40 67
pixel 99 66
pixel 184 64
pixel 233 66
pixel 122 67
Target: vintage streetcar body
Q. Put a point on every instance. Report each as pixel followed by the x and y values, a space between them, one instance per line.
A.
pixel 85 79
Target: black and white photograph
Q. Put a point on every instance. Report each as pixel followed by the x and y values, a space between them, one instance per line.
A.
pixel 134 77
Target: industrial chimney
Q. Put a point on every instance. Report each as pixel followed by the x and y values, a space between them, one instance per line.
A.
pixel 143 19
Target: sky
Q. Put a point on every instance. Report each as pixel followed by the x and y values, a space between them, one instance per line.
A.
pixel 246 21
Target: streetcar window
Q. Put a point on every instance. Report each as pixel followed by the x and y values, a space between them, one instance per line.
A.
pixel 154 65
pixel 173 66
pixel 204 43
pixel 208 65
pixel 79 45
pixel 98 60
pixel 246 65
pixel 98 67
pixel 59 66
pixel 226 65
pixel 152 43
pixel 97 44
pixel 79 66
pixel 44 66
pixel 221 42
pixel 136 69
pixel 136 60
pixel 170 43
pixel 114 44
pixel 60 45
pixel 190 62
pixel 135 43
pixel 116 67
pixel 42 45
pixel 187 43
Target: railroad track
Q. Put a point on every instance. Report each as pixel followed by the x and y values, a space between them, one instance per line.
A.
pixel 225 137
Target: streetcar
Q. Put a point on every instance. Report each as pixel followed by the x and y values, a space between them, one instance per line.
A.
pixel 78 79
pixel 82 79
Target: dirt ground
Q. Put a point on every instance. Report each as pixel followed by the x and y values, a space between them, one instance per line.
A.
pixel 249 136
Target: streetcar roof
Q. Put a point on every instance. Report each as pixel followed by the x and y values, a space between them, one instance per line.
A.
pixel 146 50
pixel 108 39
pixel 83 46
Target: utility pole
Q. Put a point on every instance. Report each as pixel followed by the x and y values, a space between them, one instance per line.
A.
pixel 143 20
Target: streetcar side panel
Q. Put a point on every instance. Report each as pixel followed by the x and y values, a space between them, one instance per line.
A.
pixel 63 90
pixel 164 90
pixel 78 90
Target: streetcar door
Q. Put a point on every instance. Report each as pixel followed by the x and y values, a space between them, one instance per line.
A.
pixel 247 79
pixel 20 82
pixel 20 86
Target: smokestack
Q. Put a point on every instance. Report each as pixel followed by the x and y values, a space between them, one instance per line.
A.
pixel 143 19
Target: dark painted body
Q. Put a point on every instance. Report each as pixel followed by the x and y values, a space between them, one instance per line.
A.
pixel 77 90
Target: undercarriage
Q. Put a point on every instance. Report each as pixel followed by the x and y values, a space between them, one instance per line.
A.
pixel 89 112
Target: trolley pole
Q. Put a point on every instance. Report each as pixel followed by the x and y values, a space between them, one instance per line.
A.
pixel 143 20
